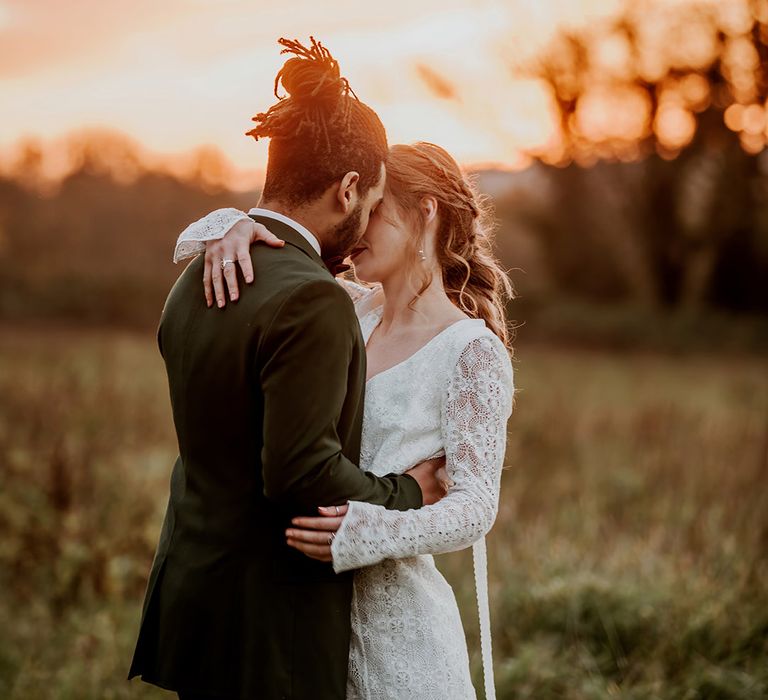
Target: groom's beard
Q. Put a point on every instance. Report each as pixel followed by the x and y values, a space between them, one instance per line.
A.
pixel 342 238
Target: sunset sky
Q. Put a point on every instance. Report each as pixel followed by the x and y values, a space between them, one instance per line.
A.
pixel 177 74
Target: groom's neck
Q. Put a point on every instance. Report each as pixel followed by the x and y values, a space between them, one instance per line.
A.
pixel 276 207
pixel 302 215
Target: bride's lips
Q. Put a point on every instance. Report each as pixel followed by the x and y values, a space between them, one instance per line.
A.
pixel 357 252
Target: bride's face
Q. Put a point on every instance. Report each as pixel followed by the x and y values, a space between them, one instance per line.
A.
pixel 383 251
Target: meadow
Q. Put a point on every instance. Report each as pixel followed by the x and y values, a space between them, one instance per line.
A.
pixel 629 558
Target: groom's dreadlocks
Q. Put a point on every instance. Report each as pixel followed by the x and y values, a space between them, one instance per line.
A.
pixel 319 131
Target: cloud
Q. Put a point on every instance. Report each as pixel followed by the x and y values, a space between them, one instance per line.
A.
pixel 437 84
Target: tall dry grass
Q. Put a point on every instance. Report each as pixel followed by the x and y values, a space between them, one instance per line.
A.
pixel 630 555
pixel 629 558
pixel 86 440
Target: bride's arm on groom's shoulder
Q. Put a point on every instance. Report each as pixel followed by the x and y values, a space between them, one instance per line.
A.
pixel 228 234
pixel 476 406
pixel 223 234
pixel 211 227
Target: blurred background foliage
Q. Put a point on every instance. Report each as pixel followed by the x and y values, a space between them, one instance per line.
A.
pixel 630 556
pixel 655 193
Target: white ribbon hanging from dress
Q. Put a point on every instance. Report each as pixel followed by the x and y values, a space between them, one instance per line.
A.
pixel 480 564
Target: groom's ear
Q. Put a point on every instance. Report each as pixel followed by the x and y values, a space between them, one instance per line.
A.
pixel 347 192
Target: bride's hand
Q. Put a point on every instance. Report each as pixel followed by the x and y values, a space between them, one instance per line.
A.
pixel 235 246
pixel 313 536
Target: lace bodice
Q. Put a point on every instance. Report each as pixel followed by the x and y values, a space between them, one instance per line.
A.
pixel 469 378
pixel 453 397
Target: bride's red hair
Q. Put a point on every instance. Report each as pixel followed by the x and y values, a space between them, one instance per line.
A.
pixel 472 276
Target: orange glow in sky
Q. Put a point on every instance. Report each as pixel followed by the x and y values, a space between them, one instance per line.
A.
pixel 178 74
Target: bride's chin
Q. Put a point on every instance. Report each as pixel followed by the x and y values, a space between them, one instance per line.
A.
pixel 364 274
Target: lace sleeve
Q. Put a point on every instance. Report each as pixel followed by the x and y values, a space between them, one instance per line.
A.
pixel 211 227
pixel 476 406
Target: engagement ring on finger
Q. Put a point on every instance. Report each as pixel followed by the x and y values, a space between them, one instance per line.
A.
pixel 226 262
pixel 330 537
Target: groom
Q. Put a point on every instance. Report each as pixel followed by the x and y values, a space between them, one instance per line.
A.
pixel 267 400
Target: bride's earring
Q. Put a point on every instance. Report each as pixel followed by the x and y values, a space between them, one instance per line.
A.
pixel 421 255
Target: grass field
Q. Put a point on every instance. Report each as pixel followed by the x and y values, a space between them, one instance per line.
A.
pixel 629 558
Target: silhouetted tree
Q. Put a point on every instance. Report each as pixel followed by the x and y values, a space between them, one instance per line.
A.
pixel 97 246
pixel 671 101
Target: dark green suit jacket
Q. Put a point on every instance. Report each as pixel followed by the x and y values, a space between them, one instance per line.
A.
pixel 267 398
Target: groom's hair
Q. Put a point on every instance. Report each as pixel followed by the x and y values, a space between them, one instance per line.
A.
pixel 318 132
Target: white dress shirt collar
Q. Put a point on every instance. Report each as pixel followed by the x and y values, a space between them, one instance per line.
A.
pixel 303 230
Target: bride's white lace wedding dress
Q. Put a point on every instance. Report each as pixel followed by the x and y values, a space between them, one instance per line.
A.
pixel 453 397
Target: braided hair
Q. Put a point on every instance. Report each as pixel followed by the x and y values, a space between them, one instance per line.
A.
pixel 319 130
pixel 472 276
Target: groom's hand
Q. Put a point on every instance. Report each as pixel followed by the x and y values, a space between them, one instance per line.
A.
pixel 432 478
pixel 235 246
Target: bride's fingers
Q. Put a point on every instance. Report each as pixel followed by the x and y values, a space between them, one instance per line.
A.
pixel 244 260
pixel 218 282
pixel 230 276
pixel 207 284
pixel 263 234
pixel 325 524
pixel 322 553
pixel 309 536
pixel 333 511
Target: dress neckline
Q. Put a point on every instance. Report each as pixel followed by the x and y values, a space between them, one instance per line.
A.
pixel 378 311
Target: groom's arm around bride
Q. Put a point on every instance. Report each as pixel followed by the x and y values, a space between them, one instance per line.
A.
pixel 311 371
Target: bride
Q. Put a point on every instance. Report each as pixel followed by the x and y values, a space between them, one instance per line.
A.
pixel 439 382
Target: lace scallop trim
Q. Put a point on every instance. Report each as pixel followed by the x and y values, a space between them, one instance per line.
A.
pixel 211 227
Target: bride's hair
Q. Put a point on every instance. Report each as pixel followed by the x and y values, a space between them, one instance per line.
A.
pixel 472 276
pixel 319 131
